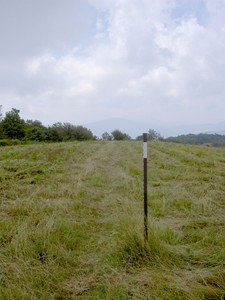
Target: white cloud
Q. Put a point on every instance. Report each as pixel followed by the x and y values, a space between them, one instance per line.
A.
pixel 133 60
pixel 34 65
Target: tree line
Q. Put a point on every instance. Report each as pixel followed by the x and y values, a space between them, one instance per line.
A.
pixel 13 129
pixel 215 140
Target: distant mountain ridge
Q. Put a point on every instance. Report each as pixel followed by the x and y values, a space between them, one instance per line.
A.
pixel 135 128
pixel 216 140
pixel 222 132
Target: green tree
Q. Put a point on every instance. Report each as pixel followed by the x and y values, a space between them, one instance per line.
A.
pixel 35 131
pixel 119 135
pixel 200 139
pixel 154 135
pixel 13 126
pixel 106 136
pixel 1 130
pixel 67 132
pixel 151 135
pixel 36 123
pixel 52 135
pixel 83 134
pixel 35 134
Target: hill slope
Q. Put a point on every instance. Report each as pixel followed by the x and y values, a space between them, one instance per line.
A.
pixel 71 223
pixel 215 140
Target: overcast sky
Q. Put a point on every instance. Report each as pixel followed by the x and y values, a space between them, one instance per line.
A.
pixel 81 61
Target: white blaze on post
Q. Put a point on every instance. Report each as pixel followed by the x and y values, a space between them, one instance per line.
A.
pixel 145 151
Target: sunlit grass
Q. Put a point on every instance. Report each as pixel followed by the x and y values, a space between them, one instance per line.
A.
pixel 71 222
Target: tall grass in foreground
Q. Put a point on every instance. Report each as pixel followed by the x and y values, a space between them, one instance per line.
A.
pixel 71 222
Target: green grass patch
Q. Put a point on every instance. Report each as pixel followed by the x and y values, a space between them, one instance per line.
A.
pixel 71 223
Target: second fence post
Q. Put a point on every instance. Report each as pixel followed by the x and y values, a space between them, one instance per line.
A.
pixel 145 157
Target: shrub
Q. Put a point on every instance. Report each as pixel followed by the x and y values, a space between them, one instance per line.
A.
pixel 6 142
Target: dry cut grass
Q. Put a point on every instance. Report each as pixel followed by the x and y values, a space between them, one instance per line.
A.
pixel 71 222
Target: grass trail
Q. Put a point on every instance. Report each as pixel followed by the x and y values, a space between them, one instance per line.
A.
pixel 71 222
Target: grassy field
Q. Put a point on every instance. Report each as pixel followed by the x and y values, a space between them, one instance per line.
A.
pixel 71 222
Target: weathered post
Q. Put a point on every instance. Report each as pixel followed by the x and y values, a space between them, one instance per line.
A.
pixel 145 157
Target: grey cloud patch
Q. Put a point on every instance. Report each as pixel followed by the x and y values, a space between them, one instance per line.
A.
pixel 29 27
